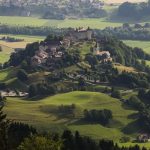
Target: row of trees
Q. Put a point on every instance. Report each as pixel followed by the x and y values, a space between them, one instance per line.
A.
pixel 128 33
pixel 131 80
pixel 41 89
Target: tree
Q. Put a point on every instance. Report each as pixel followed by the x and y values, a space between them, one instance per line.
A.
pixel 126 25
pixel 1 49
pixel 4 125
pixel 136 103
pixel 39 143
pixel 22 75
pixel 116 94
pixel 32 90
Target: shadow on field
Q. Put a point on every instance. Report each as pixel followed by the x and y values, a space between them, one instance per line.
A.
pixel 133 116
pixel 127 107
pixel 131 128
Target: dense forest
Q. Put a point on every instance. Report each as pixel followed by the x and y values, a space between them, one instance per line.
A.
pixel 134 11
pixel 53 10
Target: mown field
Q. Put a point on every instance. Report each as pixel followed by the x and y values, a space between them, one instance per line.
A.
pixel 32 21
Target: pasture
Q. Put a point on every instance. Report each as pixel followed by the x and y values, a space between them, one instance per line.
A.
pixel 39 113
pixel 8 47
pixel 26 38
pixel 5 53
pixel 37 22
pixel 122 68
pixel 145 45
pixel 22 21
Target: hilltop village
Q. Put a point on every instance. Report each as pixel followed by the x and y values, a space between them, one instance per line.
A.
pixel 52 51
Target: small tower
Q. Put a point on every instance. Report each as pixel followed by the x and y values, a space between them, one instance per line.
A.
pixel 96 48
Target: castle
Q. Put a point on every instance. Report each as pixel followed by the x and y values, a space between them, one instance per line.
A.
pixel 81 34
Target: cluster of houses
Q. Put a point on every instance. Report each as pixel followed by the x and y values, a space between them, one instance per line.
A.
pixel 48 53
pixel 143 138
pixel 12 93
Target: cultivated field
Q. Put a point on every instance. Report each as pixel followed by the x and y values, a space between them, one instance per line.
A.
pixel 30 21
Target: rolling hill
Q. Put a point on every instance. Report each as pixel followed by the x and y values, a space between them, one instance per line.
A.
pixel 40 113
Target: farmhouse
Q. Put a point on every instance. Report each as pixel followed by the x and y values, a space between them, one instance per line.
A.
pixel 53 45
pixel 48 53
pixel 104 56
pixel 39 57
pixel 143 138
pixel 13 94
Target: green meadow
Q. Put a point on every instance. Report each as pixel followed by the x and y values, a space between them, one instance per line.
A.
pixel 39 113
pixel 32 21
pixel 26 38
pixel 5 53
pixel 22 21
pixel 145 45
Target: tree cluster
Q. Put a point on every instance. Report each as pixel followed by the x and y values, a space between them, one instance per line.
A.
pixel 134 11
pixel 98 116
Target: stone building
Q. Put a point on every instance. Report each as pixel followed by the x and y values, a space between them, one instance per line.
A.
pixel 81 34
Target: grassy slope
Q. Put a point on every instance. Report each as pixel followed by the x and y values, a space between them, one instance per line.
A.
pixel 31 112
pixel 8 47
pixel 145 45
pixel 5 54
pixel 7 74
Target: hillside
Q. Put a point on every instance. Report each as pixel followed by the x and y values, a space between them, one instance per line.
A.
pixel 42 113
pixel 5 53
pixel 78 81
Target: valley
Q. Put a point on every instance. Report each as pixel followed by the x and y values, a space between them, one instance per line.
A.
pixel 75 72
